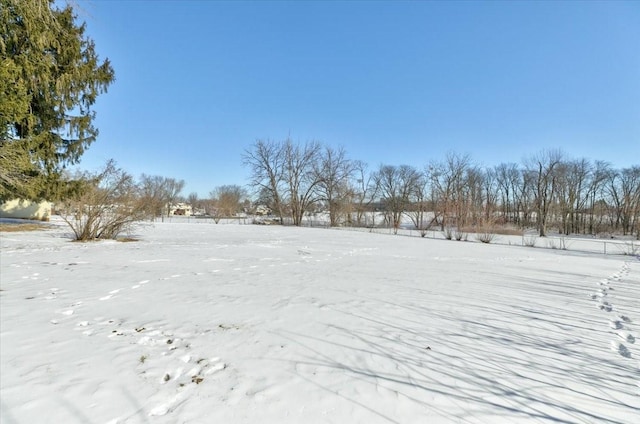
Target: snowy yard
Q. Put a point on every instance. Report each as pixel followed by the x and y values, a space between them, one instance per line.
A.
pixel 268 324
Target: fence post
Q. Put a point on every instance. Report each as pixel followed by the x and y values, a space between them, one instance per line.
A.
pixel 605 247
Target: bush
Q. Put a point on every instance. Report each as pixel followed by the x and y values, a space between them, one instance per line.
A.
pixel 485 235
pixel 105 205
pixel 486 232
pixel 529 240
pixel 460 235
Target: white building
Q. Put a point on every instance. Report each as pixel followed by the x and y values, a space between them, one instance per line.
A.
pixel 26 209
pixel 180 209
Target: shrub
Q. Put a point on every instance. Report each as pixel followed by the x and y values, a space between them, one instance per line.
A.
pixel 485 235
pixel 529 240
pixel 486 232
pixel 104 206
pixel 459 235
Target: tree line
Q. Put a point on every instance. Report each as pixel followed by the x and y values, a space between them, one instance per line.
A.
pixel 548 190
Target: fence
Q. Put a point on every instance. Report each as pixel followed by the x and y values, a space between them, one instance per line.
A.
pixel 578 244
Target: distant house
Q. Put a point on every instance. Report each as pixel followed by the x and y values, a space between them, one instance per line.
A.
pixel 180 209
pixel 26 209
pixel 263 210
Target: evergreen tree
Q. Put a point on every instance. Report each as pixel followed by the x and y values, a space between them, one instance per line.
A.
pixel 50 76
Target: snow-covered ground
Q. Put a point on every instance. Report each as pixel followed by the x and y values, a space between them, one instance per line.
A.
pixel 268 324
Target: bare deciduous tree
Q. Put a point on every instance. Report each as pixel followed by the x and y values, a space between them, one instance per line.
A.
pixel 419 205
pixel 396 183
pixel 157 193
pixel 473 199
pixel 544 168
pixel 490 188
pixel 509 181
pixel 624 188
pixel 301 180
pixel 333 172
pixel 152 195
pixel 573 179
pixel 449 186
pixel 194 201
pixel 172 188
pixel 106 205
pixel 228 201
pixel 364 189
pixel 596 194
pixel 265 159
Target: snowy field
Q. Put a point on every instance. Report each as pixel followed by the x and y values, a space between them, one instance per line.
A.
pixel 268 324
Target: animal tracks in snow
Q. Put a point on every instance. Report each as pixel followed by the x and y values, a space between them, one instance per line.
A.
pixel 159 354
pixel 184 382
pixel 620 348
pixel 626 336
pixel 170 362
pixel 621 324
pixel 162 357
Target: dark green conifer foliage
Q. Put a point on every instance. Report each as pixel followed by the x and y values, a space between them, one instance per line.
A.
pixel 50 76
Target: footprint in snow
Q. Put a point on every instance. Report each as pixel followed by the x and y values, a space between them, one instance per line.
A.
pixel 605 306
pixel 616 346
pixel 626 336
pixel 200 368
pixel 624 318
pixel 185 381
pixel 615 324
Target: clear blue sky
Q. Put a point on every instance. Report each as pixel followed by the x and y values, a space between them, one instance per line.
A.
pixel 197 82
